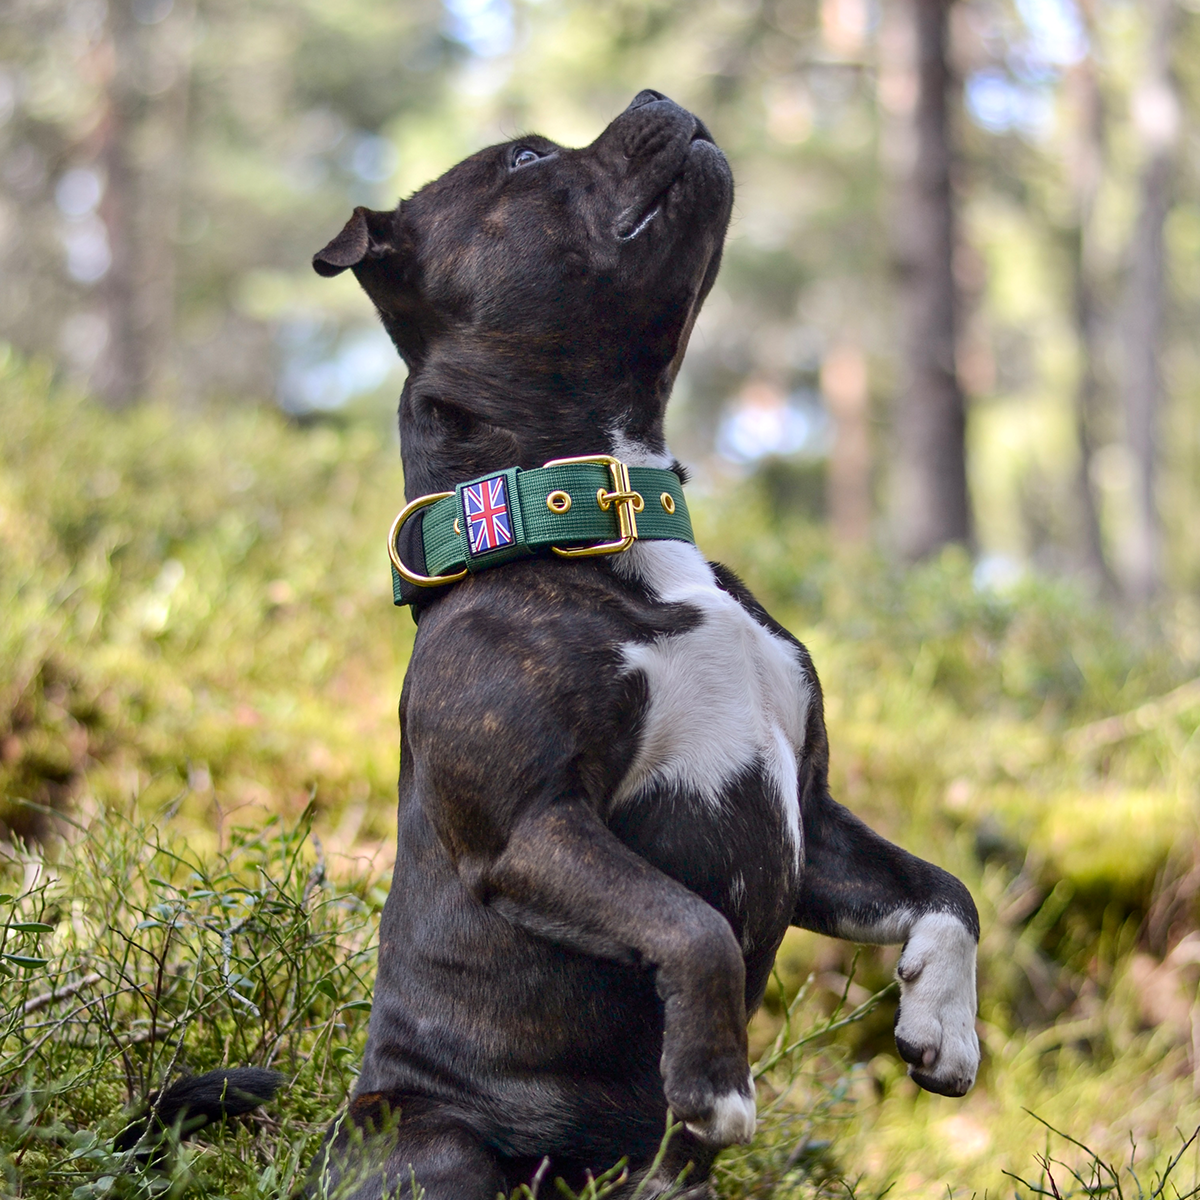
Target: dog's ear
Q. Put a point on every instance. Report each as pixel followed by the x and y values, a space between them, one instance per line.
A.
pixel 368 234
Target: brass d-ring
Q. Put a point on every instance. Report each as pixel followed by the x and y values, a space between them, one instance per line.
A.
pixel 403 571
pixel 558 502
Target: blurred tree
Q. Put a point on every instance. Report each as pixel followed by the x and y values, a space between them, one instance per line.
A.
pixel 1054 160
pixel 141 152
pixel 929 475
pixel 187 189
pixel 1086 164
pixel 165 165
pixel 844 386
pixel 1156 117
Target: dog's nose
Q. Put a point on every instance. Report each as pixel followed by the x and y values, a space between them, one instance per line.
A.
pixel 645 96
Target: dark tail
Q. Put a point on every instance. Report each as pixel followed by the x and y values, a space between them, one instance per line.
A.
pixel 195 1101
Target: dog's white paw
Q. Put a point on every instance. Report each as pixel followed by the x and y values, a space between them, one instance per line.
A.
pixel 732 1120
pixel 935 1024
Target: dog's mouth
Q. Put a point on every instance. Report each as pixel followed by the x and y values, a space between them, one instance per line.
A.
pixel 630 230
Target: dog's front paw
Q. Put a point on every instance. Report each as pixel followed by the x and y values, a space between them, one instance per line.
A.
pixel 935 1023
pixel 717 1118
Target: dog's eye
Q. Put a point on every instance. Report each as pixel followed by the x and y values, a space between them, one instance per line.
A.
pixel 522 156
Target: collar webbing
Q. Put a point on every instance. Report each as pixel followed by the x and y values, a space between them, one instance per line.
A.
pixel 576 507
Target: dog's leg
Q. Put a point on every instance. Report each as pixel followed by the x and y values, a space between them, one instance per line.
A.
pixel 857 885
pixel 563 874
pixel 380 1146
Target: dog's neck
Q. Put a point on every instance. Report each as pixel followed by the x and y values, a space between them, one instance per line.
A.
pixel 456 425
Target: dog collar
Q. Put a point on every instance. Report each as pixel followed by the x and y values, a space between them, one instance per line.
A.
pixel 578 507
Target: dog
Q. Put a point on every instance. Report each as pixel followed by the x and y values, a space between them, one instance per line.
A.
pixel 613 794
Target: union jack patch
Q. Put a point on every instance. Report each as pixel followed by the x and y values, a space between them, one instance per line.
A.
pixel 489 525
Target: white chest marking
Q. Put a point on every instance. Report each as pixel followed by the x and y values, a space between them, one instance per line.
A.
pixel 723 695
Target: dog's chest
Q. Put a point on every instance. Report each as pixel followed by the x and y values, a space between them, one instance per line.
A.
pixel 727 704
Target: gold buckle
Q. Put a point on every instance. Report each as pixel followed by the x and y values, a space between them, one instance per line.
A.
pixel 403 571
pixel 628 503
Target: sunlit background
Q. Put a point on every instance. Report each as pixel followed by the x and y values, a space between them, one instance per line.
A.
pixel 168 171
pixel 198 464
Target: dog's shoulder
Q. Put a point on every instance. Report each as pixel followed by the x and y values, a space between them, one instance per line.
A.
pixel 528 660
pixel 559 611
pixel 677 573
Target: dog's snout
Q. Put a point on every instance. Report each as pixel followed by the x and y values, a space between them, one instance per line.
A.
pixel 645 96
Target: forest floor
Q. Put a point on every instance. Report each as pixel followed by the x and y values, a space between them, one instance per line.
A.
pixel 199 671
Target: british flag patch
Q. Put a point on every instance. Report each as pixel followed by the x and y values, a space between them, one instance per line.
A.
pixel 485 505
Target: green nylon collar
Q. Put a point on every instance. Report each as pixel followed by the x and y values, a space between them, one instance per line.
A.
pixel 540 516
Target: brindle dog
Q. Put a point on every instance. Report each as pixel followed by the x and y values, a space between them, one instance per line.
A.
pixel 613 776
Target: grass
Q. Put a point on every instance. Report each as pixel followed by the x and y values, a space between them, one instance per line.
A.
pixel 199 667
pixel 140 960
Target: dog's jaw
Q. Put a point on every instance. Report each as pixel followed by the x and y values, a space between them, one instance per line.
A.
pixel 638 217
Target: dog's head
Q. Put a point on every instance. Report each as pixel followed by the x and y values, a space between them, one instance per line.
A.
pixel 543 296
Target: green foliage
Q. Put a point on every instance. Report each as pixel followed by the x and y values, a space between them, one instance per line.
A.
pixel 199 638
pixel 143 960
pixel 194 605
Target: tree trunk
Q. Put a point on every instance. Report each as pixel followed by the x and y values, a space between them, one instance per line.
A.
pixel 1087 170
pixel 931 503
pixel 121 371
pixel 142 153
pixel 1156 119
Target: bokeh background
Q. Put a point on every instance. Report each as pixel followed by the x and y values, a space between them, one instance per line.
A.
pixel 942 411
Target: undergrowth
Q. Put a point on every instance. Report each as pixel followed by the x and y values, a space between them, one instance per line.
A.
pixel 131 959
pixel 198 640
pixel 194 602
pixel 1091 1175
